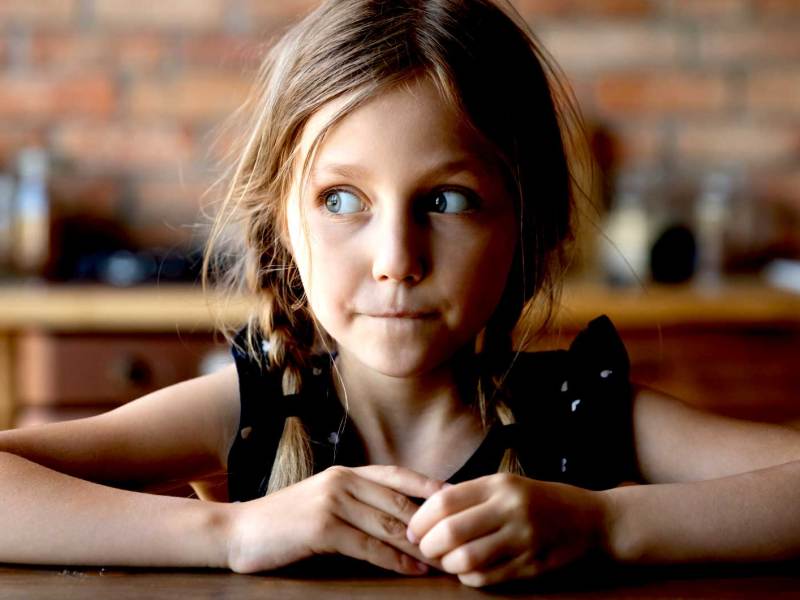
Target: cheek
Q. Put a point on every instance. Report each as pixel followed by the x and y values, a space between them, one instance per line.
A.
pixel 483 275
pixel 324 263
pixel 485 262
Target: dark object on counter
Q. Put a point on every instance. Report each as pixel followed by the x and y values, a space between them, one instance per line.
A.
pixel 673 257
pixel 98 250
pixel 123 268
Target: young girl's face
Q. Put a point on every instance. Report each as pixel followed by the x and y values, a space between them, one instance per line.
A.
pixel 405 233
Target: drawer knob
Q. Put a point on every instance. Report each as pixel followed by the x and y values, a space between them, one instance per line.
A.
pixel 132 370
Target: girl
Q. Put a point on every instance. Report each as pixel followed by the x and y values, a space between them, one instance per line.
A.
pixel 401 203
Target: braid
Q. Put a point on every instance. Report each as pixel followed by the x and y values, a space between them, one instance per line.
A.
pixel 288 354
pixel 491 393
pixel 288 328
pixel 494 349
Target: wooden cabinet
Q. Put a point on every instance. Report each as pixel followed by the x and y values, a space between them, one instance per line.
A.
pixel 73 350
pixel 69 375
pixel 733 349
pixel 744 371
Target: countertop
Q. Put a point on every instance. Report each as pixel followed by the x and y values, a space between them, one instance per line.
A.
pixel 165 307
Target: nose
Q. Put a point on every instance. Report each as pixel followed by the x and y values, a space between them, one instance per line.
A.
pixel 399 249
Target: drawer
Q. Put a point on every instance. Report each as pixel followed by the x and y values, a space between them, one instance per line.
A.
pixel 98 370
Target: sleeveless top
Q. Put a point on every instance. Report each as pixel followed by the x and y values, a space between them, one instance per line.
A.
pixel 573 413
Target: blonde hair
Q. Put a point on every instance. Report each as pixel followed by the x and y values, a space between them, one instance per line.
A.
pixel 487 64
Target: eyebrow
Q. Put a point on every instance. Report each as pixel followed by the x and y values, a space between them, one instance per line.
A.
pixel 450 167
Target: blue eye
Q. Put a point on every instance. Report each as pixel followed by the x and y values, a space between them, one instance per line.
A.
pixel 342 202
pixel 450 201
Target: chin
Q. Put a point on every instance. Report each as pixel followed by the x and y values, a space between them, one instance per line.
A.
pixel 399 362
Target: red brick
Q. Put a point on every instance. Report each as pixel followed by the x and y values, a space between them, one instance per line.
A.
pixel 65 50
pixel 279 12
pixel 141 51
pixel 38 12
pixel 591 47
pixel 157 234
pixel 736 142
pixel 777 8
pixel 660 93
pixel 60 49
pixel 124 146
pixel 708 9
pixel 75 193
pixel 533 9
pixel 636 143
pixel 170 201
pixel 222 51
pixel 782 186
pixel 40 96
pixel 754 44
pixel 12 139
pixel 177 15
pixel 613 8
pixel 774 90
pixel 198 95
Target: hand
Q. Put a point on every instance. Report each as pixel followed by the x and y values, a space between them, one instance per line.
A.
pixel 502 527
pixel 360 512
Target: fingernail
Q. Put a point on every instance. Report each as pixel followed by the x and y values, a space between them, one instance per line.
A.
pixel 411 537
pixel 421 567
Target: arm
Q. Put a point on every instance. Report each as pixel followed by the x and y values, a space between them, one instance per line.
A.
pixel 168 437
pixel 51 518
pixel 54 510
pixel 724 489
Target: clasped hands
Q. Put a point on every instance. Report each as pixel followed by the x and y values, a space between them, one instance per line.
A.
pixel 485 531
pixel 502 527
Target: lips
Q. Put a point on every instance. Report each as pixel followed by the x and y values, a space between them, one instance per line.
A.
pixel 403 315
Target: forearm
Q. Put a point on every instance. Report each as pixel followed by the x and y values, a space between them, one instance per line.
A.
pixel 748 517
pixel 47 517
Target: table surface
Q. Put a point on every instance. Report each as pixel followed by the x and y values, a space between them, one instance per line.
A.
pixel 743 581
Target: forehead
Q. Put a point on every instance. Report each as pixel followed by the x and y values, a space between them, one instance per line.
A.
pixel 409 126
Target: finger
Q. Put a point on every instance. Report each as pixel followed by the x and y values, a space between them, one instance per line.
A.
pixel 459 529
pixel 446 502
pixel 382 526
pixel 383 498
pixel 353 542
pixel 480 553
pixel 520 567
pixel 401 479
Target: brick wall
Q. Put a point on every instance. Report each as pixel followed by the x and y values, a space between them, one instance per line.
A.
pixel 126 94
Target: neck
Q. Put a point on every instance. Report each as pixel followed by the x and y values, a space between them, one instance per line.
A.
pixel 399 417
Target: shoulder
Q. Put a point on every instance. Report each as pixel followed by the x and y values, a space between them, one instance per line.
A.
pixel 256 379
pixel 596 355
pixel 574 409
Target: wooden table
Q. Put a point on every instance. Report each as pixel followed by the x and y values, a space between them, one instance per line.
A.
pixel 750 581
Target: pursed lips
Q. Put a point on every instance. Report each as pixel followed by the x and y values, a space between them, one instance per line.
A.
pixel 403 315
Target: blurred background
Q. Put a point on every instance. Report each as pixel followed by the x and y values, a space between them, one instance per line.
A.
pixel 108 110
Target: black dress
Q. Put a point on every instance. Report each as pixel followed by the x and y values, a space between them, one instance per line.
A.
pixel 573 412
